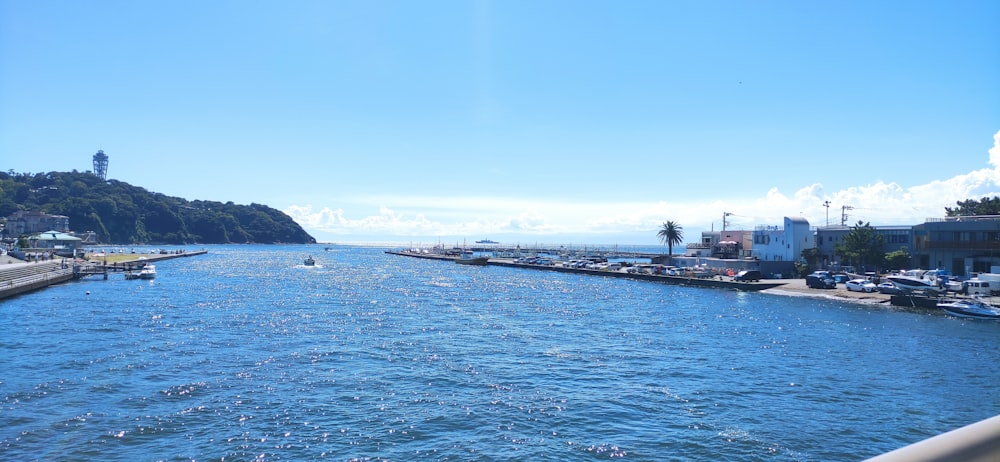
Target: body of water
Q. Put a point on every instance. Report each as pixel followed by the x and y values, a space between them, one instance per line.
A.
pixel 244 354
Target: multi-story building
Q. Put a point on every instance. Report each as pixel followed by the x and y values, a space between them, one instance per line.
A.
pixel 777 248
pixel 962 245
pixel 728 244
pixel 25 222
pixel 829 237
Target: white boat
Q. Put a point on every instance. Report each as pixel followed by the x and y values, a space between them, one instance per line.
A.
pixel 970 308
pixel 907 283
pixel 147 272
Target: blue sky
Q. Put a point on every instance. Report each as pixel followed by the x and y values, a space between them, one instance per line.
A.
pixel 520 121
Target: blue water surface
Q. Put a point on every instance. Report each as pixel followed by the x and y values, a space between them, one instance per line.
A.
pixel 246 354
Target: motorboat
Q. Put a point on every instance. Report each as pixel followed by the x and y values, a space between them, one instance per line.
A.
pixel 148 271
pixel 309 261
pixel 907 283
pixel 970 308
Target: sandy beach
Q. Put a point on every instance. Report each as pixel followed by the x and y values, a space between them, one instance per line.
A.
pixel 797 287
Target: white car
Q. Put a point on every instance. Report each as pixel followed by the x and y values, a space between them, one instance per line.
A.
pixel 861 285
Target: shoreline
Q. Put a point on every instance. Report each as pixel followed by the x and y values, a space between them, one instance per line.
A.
pixel 18 276
pixel 779 287
pixel 706 282
pixel 798 288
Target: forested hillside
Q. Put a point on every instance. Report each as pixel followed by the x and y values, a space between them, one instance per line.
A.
pixel 124 214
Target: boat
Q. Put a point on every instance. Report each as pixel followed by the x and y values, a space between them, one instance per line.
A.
pixel 466 260
pixel 148 271
pixel 908 283
pixel 970 308
pixel 309 261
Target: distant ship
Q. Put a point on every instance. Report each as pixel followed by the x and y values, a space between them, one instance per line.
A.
pixel 486 241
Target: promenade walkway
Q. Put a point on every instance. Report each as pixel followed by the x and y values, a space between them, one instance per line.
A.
pixel 17 277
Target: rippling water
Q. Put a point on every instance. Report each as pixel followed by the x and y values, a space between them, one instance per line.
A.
pixel 245 354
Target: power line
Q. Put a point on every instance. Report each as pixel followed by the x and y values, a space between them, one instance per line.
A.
pixel 843 214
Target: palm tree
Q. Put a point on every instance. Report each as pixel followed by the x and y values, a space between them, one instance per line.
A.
pixel 671 233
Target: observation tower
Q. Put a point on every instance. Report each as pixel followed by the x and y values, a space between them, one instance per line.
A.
pixel 101 165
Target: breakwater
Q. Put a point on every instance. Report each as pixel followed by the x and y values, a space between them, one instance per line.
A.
pixel 716 282
pixel 102 267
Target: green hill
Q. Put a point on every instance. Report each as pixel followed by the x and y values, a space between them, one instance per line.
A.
pixel 124 214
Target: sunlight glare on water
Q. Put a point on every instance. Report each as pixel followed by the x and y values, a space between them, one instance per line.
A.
pixel 244 353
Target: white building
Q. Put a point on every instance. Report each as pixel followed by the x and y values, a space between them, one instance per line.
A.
pixel 783 243
pixel 779 247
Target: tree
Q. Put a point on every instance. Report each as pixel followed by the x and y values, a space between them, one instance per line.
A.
pixel 671 233
pixel 124 214
pixel 897 259
pixel 972 207
pixel 862 246
pixel 811 256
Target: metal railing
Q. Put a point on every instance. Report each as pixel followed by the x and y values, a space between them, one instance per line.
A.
pixel 978 442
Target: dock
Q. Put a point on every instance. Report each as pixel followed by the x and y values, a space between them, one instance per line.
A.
pixel 97 266
pixel 711 282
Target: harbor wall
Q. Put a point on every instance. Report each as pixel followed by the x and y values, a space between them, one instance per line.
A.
pixel 31 283
pixel 713 282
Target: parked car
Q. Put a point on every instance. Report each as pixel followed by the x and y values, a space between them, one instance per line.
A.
pixel 748 275
pixel 820 280
pixel 841 278
pixel 889 288
pixel 860 285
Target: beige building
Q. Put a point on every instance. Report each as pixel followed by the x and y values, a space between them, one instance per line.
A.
pixel 24 222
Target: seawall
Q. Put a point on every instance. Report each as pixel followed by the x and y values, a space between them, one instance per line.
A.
pixel 18 278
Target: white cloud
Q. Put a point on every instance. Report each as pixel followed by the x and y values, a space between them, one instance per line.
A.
pixel 995 150
pixel 411 216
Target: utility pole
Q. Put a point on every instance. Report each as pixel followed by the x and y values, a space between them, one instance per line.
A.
pixel 827 205
pixel 724 215
pixel 843 214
